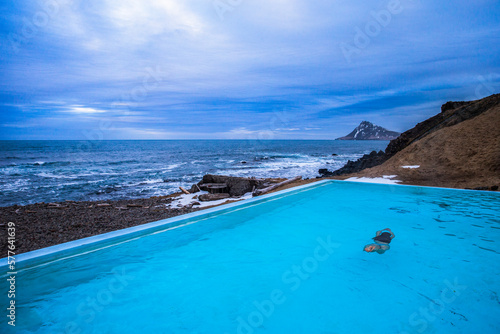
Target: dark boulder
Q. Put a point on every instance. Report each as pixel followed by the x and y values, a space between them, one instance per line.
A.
pixel 366 161
pixel 324 172
pixel 237 186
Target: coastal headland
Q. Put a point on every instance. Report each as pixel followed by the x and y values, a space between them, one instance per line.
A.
pixel 457 148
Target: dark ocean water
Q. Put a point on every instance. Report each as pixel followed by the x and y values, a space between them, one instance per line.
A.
pixel 48 171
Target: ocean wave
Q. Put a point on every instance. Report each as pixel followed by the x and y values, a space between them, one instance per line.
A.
pixel 49 163
pixel 114 163
pixel 280 156
pixel 106 190
pixel 11 171
pixel 172 167
pixel 64 185
pixel 15 185
pixel 151 181
pixel 49 175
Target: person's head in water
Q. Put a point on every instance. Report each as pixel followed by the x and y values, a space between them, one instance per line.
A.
pixel 370 248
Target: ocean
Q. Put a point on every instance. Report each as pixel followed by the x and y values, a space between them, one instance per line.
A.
pixel 52 171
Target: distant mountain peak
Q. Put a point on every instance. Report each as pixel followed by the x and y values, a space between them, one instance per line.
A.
pixel 369 131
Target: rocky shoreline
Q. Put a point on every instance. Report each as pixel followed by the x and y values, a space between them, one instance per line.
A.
pixel 46 224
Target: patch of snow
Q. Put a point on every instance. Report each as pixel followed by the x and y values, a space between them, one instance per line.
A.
pixel 186 199
pixel 412 166
pixel 385 179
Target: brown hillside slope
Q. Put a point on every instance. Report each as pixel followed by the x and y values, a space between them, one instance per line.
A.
pixel 451 114
pixel 464 155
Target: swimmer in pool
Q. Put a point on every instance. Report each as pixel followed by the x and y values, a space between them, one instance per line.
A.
pixel 382 240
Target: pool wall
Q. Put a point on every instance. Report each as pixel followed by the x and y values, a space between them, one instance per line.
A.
pixel 90 244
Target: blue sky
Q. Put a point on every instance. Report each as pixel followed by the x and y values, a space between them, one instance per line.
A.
pixel 238 69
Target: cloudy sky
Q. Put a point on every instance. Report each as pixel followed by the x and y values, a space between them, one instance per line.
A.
pixel 224 69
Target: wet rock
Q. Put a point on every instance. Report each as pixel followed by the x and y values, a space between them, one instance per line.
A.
pixel 213 197
pixel 194 189
pixel 236 186
pixel 367 161
pixel 214 188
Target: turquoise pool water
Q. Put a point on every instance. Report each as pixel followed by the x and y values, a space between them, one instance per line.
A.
pixel 291 264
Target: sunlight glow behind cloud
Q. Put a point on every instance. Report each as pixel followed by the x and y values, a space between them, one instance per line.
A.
pixel 84 110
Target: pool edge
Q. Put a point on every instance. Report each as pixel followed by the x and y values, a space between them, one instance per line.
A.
pixel 72 248
pixel 420 186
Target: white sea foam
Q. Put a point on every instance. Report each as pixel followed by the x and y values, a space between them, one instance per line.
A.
pixel 16 185
pixel 186 199
pixel 411 166
pixel 53 176
pixel 152 181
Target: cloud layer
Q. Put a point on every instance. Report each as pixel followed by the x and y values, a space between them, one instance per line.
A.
pixel 283 69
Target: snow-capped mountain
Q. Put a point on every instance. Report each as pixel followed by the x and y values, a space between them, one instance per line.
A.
pixel 370 131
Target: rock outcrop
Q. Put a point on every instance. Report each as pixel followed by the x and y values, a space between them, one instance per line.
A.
pixel 452 113
pixel 366 161
pixel 213 197
pixel 236 186
pixel 370 131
